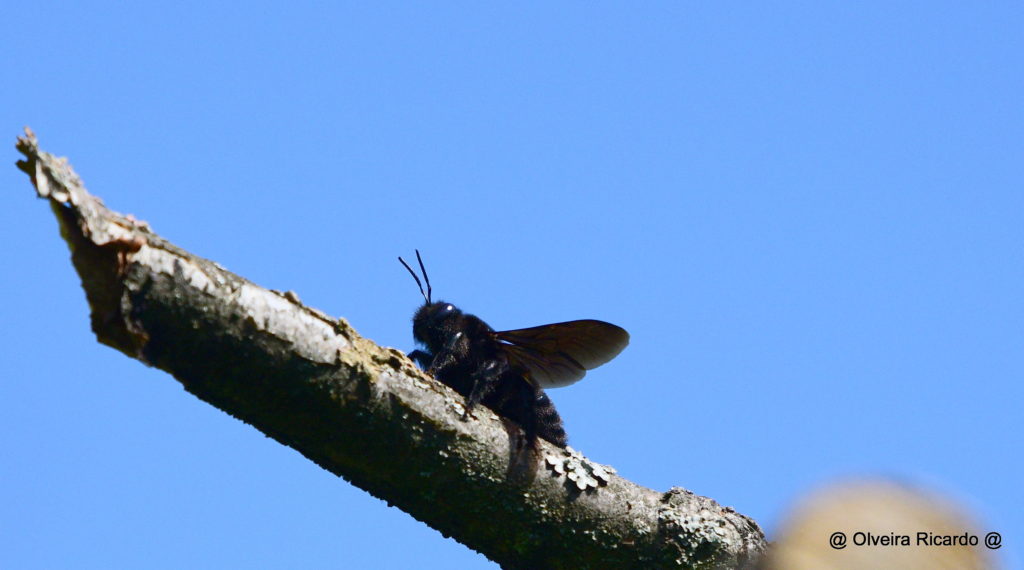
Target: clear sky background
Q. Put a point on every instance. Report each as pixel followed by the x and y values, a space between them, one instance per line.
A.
pixel 810 218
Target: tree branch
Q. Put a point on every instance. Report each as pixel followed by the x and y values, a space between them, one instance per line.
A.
pixel 365 412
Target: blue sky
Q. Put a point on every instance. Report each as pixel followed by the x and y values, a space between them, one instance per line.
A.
pixel 809 216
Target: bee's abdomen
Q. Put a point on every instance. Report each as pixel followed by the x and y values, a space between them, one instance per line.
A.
pixel 549 423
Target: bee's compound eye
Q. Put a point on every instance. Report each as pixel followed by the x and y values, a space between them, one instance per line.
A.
pixel 449 307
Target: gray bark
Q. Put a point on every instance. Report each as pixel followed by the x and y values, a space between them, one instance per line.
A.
pixel 366 413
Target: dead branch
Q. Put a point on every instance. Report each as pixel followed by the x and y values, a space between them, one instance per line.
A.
pixel 366 413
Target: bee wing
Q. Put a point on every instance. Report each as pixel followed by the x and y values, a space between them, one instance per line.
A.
pixel 561 353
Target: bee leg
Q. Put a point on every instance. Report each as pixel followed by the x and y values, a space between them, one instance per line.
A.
pixel 423 359
pixel 453 350
pixel 441 362
pixel 484 381
pixel 527 400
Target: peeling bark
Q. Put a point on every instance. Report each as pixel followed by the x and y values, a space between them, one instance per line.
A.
pixel 366 413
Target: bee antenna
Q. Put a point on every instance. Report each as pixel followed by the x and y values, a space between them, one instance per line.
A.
pixel 425 278
pixel 414 276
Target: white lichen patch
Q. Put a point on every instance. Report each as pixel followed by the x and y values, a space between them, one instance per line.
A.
pixel 578 470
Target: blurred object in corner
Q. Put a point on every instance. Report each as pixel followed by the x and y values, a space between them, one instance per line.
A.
pixel 880 524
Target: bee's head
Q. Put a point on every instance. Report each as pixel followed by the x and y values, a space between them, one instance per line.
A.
pixel 434 323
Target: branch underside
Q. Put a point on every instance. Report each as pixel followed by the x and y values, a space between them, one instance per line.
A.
pixel 366 413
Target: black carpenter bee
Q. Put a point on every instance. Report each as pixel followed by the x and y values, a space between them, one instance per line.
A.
pixel 507 371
